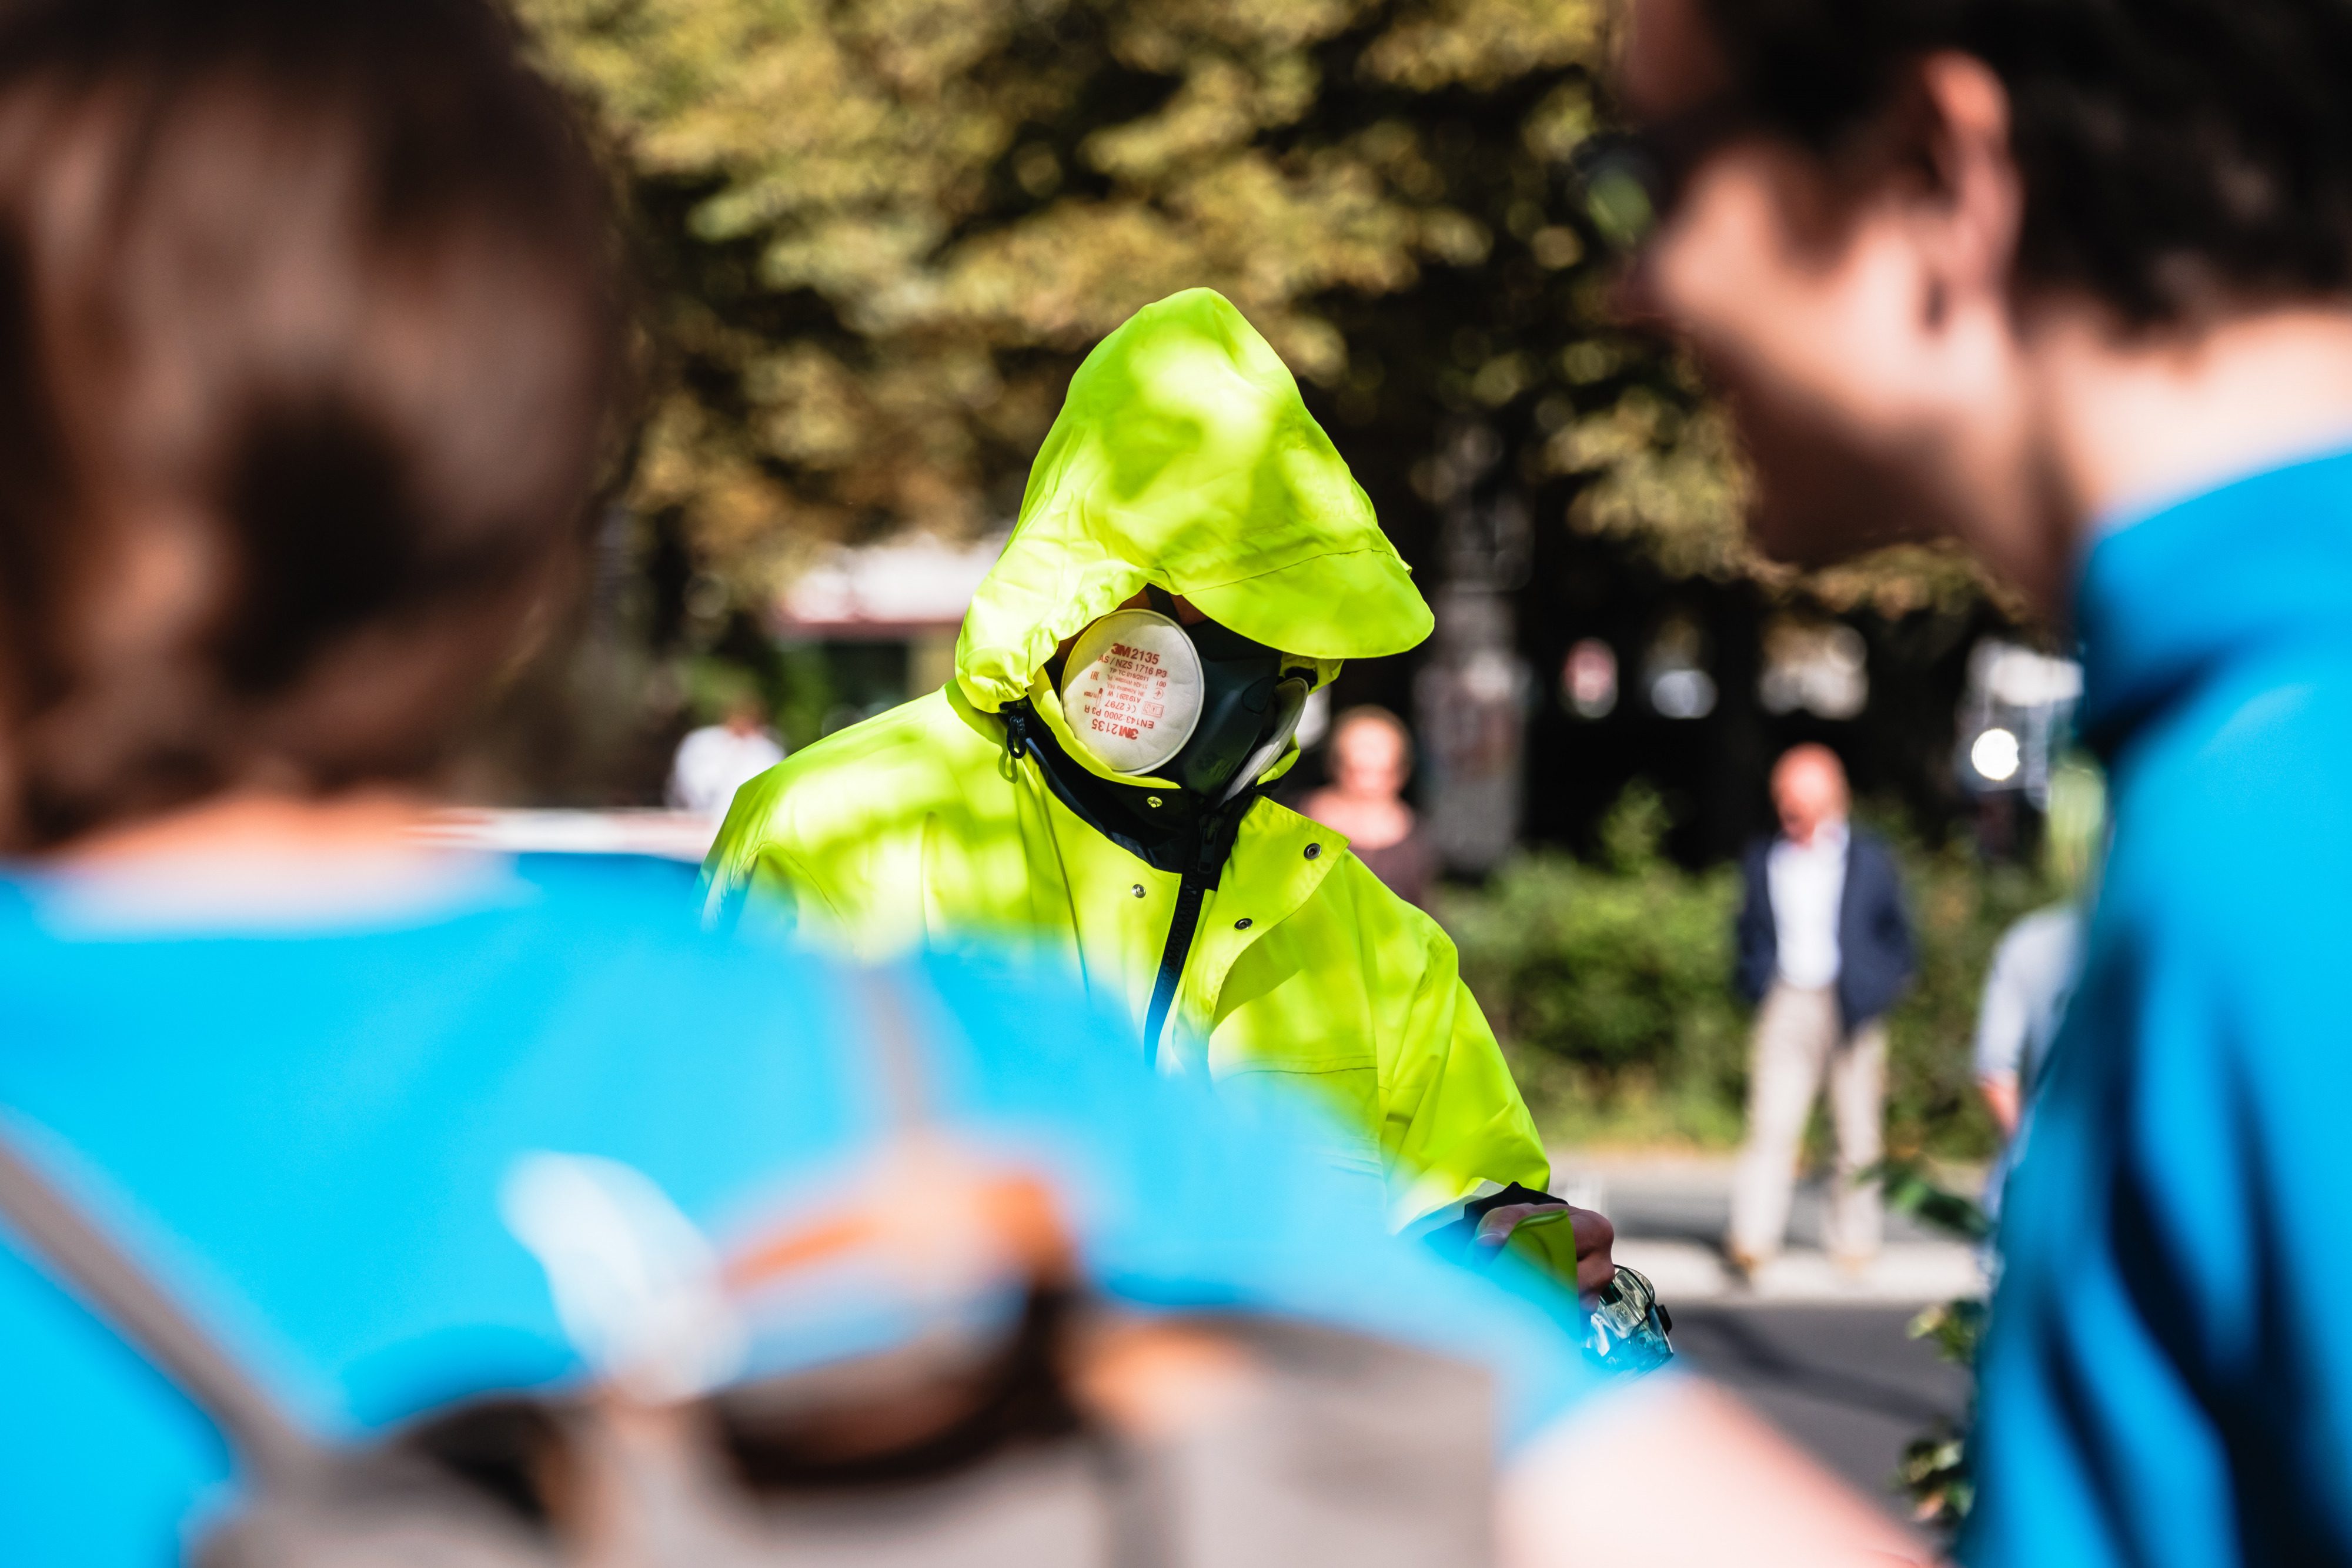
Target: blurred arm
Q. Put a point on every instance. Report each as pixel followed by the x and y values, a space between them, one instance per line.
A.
pixel 2000 1092
pixel 2003 1017
pixel 1753 933
pixel 1903 942
pixel 1673 1472
pixel 1452 1117
pixel 747 872
pixel 1594 1238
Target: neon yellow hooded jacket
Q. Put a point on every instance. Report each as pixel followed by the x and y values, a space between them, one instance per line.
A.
pixel 1185 458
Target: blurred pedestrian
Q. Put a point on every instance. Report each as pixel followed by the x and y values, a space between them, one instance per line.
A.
pixel 1192 558
pixel 1824 950
pixel 2025 993
pixel 2068 281
pixel 1370 754
pixel 717 759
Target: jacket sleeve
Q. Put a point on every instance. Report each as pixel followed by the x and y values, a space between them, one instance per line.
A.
pixel 751 880
pixel 1757 949
pixel 1877 949
pixel 1452 1116
pixel 1894 919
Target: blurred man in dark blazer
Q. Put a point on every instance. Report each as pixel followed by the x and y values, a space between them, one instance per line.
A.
pixel 1825 949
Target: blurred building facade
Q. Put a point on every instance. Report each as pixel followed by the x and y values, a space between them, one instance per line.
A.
pixel 866 628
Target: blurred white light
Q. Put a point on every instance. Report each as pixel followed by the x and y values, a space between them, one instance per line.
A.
pixel 1491 675
pixel 1683 693
pixel 1995 756
pixel 2023 678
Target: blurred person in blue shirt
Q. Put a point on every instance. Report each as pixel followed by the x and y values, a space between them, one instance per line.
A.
pixel 2071 281
pixel 2026 990
pixel 2034 969
pixel 310 346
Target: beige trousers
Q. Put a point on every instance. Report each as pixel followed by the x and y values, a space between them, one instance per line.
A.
pixel 1799 1043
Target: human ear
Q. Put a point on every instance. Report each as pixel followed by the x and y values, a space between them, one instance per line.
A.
pixel 1966 223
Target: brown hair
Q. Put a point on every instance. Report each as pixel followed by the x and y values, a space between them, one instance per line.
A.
pixel 309 341
pixel 2176 156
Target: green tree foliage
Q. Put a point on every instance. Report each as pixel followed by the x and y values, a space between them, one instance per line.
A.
pixel 877 236
pixel 1608 983
pixel 881 232
pixel 1935 1471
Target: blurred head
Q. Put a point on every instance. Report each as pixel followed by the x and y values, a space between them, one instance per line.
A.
pixel 308 343
pixel 1877 218
pixel 746 714
pixel 1809 791
pixel 1371 752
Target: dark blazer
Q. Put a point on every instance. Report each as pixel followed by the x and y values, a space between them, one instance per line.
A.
pixel 1875 956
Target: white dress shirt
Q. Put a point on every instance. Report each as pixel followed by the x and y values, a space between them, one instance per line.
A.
pixel 714 762
pixel 1808 887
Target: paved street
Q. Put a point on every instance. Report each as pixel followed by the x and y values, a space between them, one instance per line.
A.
pixel 1823 1356
pixel 1670 1213
pixel 1844 1381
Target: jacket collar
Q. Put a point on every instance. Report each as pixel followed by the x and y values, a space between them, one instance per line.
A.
pixel 2168 600
pixel 1168 828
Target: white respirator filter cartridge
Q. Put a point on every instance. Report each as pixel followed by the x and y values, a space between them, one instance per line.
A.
pixel 1132 690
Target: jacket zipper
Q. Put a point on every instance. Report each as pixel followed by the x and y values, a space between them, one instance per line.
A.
pixel 1189 893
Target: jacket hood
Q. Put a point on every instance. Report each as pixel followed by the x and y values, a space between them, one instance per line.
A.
pixel 2168 600
pixel 1183 458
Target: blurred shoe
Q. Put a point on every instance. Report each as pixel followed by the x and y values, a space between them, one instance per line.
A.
pixel 1742 1265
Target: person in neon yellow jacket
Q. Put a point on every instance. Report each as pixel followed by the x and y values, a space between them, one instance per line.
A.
pixel 1184 495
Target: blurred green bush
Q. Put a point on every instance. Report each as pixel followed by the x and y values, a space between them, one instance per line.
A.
pixel 1610 983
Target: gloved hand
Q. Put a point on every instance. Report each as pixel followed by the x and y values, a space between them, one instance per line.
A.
pixel 1594 1234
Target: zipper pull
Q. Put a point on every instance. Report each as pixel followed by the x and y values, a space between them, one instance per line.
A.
pixel 1016 732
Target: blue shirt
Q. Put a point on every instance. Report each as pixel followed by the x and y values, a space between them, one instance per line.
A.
pixel 306 1135
pixel 2168 1374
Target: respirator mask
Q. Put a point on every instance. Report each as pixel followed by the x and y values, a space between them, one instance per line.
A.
pixel 1202 705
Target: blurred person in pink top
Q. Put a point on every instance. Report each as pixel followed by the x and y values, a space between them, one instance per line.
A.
pixel 1370 759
